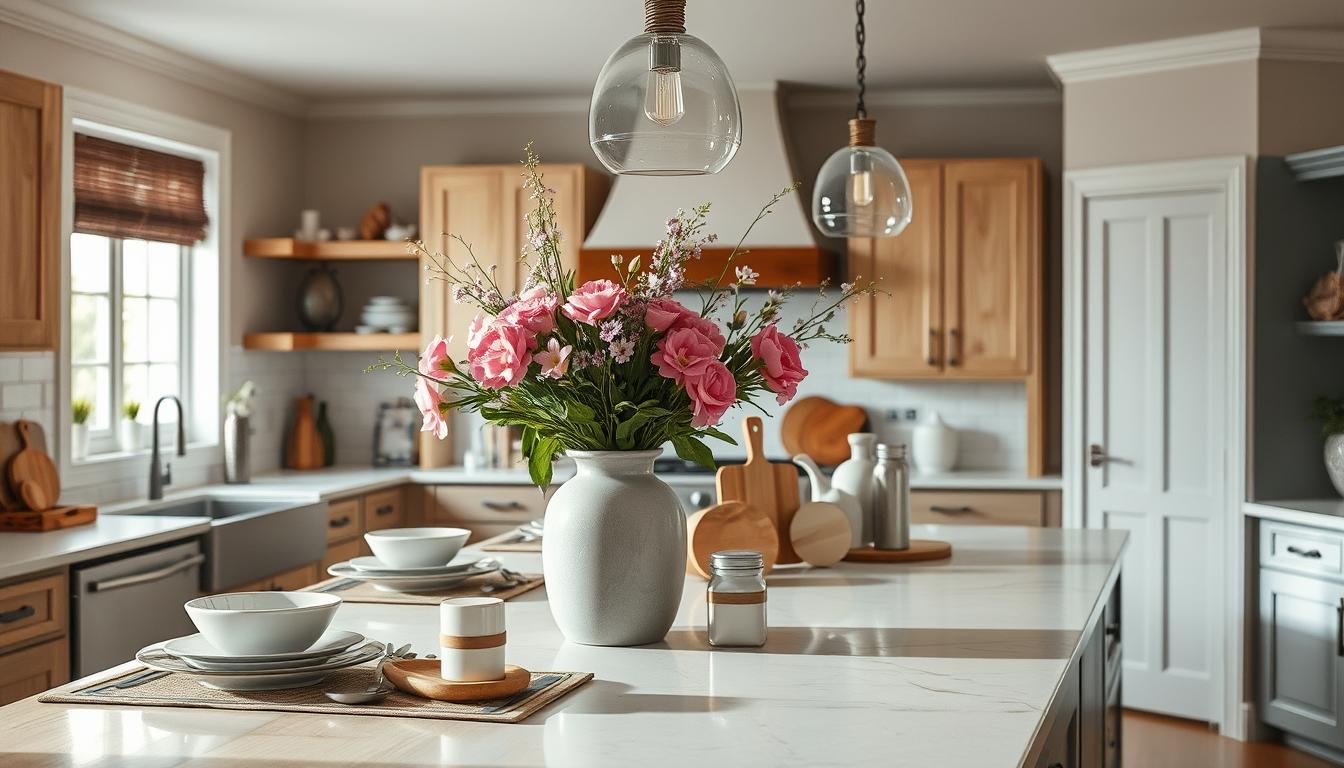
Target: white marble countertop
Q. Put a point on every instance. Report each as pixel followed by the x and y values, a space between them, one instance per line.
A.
pixel 1321 513
pixel 951 663
pixel 25 553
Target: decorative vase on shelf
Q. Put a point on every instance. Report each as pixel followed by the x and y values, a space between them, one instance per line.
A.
pixel 854 476
pixel 79 441
pixel 615 550
pixel 320 299
pixel 1334 460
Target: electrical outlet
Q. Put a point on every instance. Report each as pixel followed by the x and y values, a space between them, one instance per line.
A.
pixel 911 414
pixel 893 414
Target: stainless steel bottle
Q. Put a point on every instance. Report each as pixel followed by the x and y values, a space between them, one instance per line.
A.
pixel 891 498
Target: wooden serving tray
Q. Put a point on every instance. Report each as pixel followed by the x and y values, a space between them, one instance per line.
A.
pixel 420 677
pixel 920 549
pixel 47 520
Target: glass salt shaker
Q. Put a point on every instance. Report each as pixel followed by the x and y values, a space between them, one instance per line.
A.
pixel 736 598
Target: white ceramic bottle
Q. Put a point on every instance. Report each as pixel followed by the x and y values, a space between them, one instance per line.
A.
pixel 935 445
pixel 855 477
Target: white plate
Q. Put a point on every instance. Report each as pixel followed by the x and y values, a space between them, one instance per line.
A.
pixel 375 567
pixel 431 583
pixel 199 650
pixel 155 657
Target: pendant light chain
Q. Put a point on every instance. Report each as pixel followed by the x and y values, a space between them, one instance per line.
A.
pixel 860 63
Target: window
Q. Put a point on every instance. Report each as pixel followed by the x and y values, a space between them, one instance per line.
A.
pixel 128 329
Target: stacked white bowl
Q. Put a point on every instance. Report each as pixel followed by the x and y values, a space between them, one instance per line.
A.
pixel 386 314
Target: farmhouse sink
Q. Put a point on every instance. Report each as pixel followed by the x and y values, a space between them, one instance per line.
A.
pixel 250 537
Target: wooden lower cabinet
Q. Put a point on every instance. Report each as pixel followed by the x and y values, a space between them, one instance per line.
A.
pixel 33 670
pixel 339 553
pixel 1029 508
pixel 485 510
pixel 33 608
pixel 286 581
pixel 384 509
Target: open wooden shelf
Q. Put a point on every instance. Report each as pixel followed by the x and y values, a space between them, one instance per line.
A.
pixel 1321 328
pixel 285 341
pixel 327 250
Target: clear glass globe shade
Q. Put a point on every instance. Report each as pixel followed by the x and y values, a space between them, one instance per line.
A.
pixel 669 122
pixel 861 192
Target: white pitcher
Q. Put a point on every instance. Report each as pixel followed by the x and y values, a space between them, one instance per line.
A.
pixel 823 490
pixel 854 476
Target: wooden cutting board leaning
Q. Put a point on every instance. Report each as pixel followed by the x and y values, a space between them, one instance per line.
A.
pixel 27 505
pixel 730 525
pixel 770 487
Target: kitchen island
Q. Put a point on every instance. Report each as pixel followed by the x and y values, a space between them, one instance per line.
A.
pixel 987 659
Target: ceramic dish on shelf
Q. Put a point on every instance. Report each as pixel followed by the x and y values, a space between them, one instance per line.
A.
pixel 299 674
pixel 197 650
pixel 372 565
pixel 430 583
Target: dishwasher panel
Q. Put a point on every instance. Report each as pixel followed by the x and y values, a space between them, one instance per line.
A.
pixel 122 605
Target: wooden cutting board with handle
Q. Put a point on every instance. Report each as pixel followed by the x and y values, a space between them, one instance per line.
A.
pixel 32 475
pixel 771 488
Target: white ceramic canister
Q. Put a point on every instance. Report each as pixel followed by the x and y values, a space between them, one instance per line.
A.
pixel 471 639
pixel 934 444
pixel 855 477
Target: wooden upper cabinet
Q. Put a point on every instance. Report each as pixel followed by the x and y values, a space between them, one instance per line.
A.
pixel 485 205
pixel 30 171
pixel 899 334
pixel 962 281
pixel 991 253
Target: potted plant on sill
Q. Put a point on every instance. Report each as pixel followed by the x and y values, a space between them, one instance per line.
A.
pixel 80 409
pixel 130 430
pixel 608 372
pixel 1330 412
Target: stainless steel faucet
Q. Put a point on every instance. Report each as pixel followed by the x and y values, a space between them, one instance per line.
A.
pixel 159 475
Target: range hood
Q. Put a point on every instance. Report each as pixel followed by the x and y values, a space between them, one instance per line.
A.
pixel 783 245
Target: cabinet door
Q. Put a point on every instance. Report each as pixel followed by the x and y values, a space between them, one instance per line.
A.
pixel 570 183
pixel 1060 746
pixel 463 201
pixel 978 507
pixel 991 254
pixel 898 334
pixel 30 170
pixel 34 670
pixel 1300 647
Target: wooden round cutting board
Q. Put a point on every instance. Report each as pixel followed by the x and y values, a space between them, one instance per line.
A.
pixel 794 423
pixel 420 677
pixel 820 533
pixel 32 475
pixel 826 438
pixel 730 525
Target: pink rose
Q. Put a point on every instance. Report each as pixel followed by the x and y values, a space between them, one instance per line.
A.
pixel 534 310
pixel 476 331
pixel 705 327
pixel 435 362
pixel 502 356
pixel 433 408
pixel 593 301
pixel 712 393
pixel 781 366
pixel 684 354
pixel 663 313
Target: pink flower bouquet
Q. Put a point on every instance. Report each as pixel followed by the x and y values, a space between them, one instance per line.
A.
pixel 615 364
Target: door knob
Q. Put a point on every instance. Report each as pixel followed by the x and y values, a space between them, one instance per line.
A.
pixel 1096 455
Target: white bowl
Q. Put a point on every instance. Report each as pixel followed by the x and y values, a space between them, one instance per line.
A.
pixel 417 547
pixel 254 623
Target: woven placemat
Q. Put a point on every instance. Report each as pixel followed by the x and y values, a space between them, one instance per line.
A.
pixel 354 591
pixel 177 690
pixel 508 542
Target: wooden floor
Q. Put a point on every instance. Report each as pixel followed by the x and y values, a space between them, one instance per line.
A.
pixel 1153 741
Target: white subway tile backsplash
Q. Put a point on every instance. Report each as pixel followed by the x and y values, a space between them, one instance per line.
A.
pixel 40 368
pixel 21 395
pixel 11 368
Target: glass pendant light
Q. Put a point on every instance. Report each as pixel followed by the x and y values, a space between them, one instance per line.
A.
pixel 861 190
pixel 664 104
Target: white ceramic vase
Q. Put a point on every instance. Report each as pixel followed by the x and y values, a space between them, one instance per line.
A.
pixel 854 476
pixel 1334 460
pixel 129 436
pixel 935 445
pixel 79 441
pixel 615 550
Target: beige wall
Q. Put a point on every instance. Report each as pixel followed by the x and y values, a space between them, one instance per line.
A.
pixel 1179 114
pixel 267 155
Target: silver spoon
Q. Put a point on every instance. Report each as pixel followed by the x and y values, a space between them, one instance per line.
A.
pixel 371 695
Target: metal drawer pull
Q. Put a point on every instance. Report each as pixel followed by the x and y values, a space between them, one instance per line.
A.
pixel 951 510
pixel 953 347
pixel 1339 628
pixel 22 612
pixel 1112 630
pixel 501 506
pixel 386 509
pixel 1314 554
pixel 340 522
pixel 147 576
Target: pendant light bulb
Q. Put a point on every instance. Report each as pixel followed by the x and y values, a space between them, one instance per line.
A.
pixel 860 179
pixel 664 102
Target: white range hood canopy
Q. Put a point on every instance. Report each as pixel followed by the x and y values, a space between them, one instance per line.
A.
pixel 638 207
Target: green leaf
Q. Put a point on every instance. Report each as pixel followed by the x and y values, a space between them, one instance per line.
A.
pixel 539 462
pixel 719 434
pixel 576 411
pixel 529 440
pixel 693 450
pixel 625 431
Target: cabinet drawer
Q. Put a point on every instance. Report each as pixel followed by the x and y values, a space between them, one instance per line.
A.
pixel 384 509
pixel 978 507
pixel 503 504
pixel 291 581
pixel 343 520
pixel 338 553
pixel 1305 550
pixel 34 670
pixel 32 609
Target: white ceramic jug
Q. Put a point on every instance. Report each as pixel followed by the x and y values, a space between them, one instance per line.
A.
pixel 823 490
pixel 854 476
pixel 935 445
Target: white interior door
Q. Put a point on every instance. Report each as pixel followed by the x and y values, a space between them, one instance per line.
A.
pixel 1155 428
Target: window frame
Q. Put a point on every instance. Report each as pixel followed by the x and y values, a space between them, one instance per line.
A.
pixel 120 475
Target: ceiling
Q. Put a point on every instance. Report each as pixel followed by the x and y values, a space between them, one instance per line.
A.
pixel 355 49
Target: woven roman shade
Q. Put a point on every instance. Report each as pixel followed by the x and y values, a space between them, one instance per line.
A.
pixel 132 192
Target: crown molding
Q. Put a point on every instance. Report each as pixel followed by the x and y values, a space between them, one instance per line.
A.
pixel 104 40
pixel 1253 43
pixel 412 108
pixel 929 97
